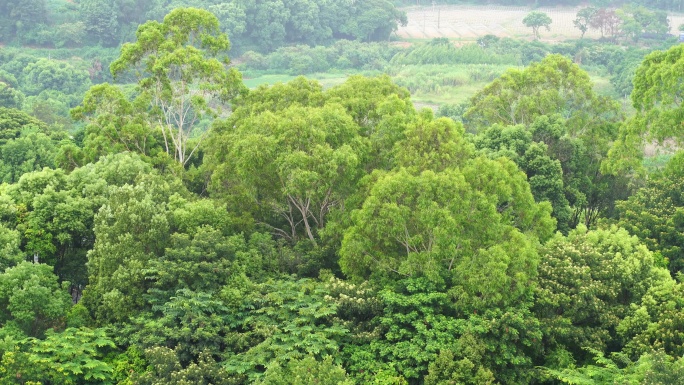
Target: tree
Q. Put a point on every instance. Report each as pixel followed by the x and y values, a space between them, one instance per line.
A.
pixel 25 154
pixel 652 368
pixel 535 20
pixel 10 254
pixel 544 173
pixel 31 299
pixel 267 25
pixel 100 21
pixel 10 97
pixel 130 229
pixel 292 154
pixel 300 162
pixel 655 213
pixel 73 355
pixel 638 20
pixel 54 75
pixel 116 124
pixel 446 369
pixel 183 77
pixel 553 86
pixel 165 368
pixel 584 17
pixel 21 16
pixel 293 319
pixel 410 224
pixel 657 321
pixel 13 122
pixel 306 371
pixel 377 21
pixel 607 21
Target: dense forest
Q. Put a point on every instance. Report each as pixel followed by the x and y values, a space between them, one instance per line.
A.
pixel 162 222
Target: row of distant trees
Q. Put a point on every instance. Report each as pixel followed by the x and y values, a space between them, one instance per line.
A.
pixel 251 25
pixel 630 21
pixel 671 5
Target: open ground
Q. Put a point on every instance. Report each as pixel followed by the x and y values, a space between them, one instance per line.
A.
pixel 469 22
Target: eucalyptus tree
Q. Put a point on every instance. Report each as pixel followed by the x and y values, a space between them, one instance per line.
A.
pixel 183 74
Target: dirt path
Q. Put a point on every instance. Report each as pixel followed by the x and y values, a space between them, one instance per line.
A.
pixel 468 22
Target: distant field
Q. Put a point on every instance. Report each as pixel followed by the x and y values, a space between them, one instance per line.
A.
pixel 468 22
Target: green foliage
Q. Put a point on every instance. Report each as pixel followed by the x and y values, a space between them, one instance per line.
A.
pixel 657 321
pixel 446 369
pixel 440 51
pixel 10 254
pixel 285 320
pixel 638 21
pixel 73 355
pixel 10 97
pixel 293 153
pixel 544 173
pixel 302 59
pixel 190 323
pixel 654 214
pixel 271 24
pixel 587 283
pixel 658 111
pixel 100 21
pixel 31 299
pixel 165 368
pixel 312 154
pixel 54 75
pixel 583 19
pixel 306 371
pixel 131 228
pixel 433 145
pixel 415 325
pixel 651 369
pixel 54 212
pixel 454 279
pixel 13 122
pixel 410 225
pixel 115 124
pixel 554 85
pixel 25 154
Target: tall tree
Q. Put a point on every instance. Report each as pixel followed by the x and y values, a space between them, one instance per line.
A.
pixel 412 224
pixel 183 74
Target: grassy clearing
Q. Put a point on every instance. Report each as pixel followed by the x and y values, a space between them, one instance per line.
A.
pixel 430 85
pixel 327 79
pixel 445 84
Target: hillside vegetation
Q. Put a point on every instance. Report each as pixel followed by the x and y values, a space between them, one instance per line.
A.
pixel 168 216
